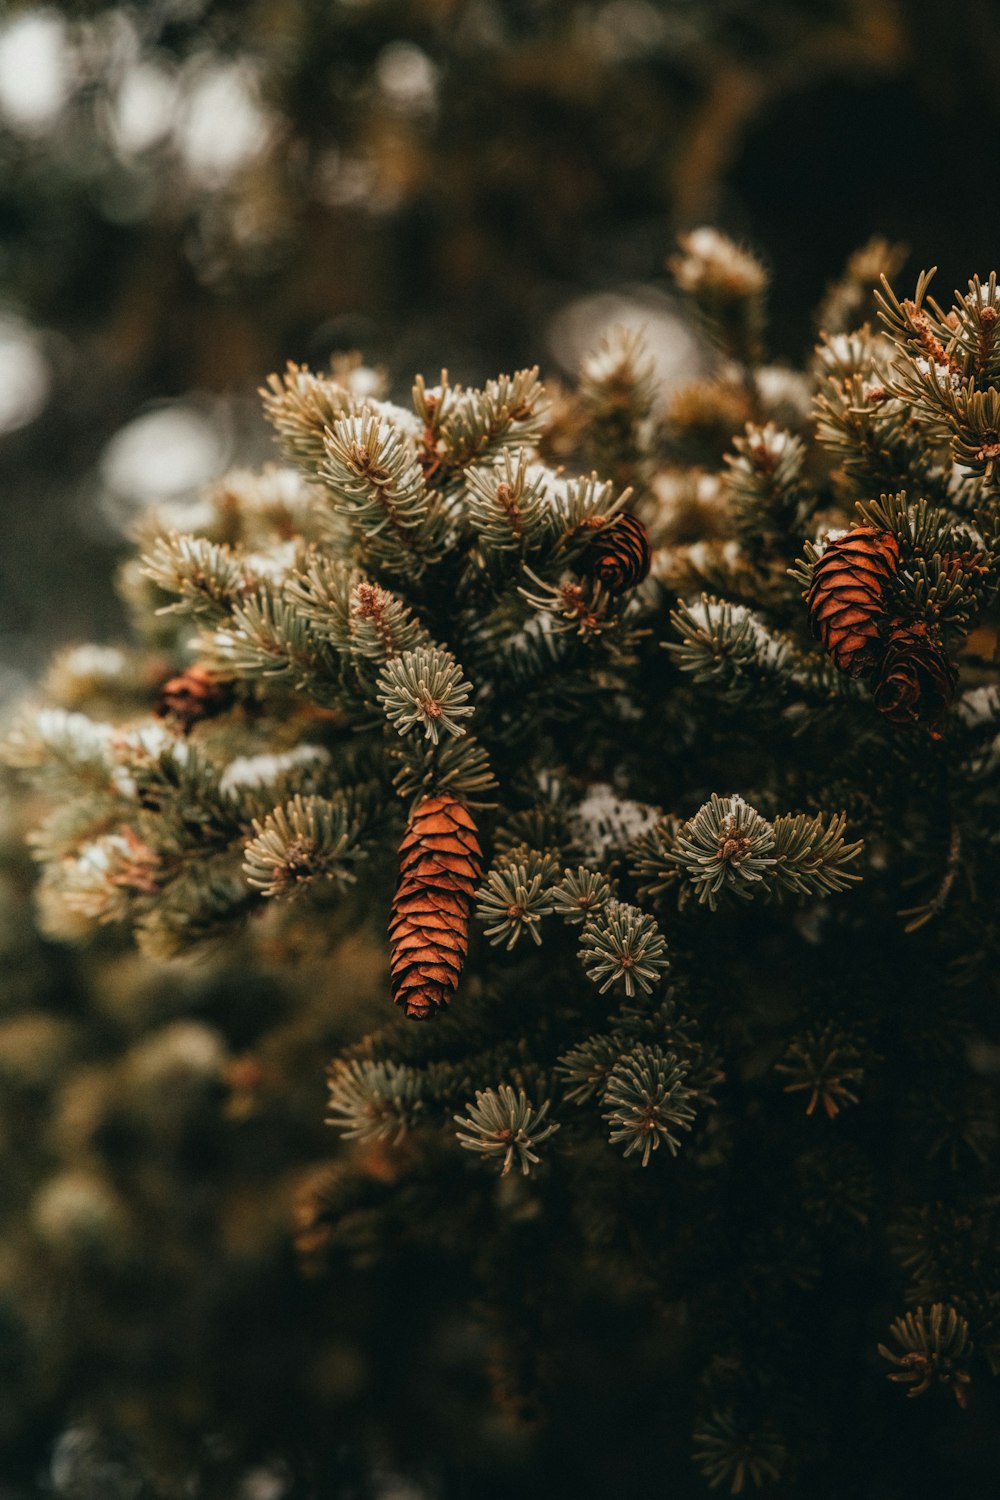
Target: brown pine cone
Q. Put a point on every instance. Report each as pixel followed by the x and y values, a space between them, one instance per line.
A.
pixel 194 695
pixel 847 596
pixel 915 682
pixel 619 555
pixel 440 867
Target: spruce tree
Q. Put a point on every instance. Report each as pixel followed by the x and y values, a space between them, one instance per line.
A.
pixel 653 743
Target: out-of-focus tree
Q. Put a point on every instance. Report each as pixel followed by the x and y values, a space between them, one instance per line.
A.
pixel 377 154
pixel 192 190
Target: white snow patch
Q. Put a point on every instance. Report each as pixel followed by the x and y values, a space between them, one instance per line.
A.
pixel 261 770
pixel 603 821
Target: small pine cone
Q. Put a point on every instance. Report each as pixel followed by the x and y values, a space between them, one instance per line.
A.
pixel 619 555
pixel 847 595
pixel 195 695
pixel 915 683
pixel 440 867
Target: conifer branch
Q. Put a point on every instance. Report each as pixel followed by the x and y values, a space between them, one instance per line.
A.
pixel 732 1452
pixel 68 751
pixel 302 408
pixel 569 607
pixel 507 413
pixel 622 944
pixel 728 646
pixel 581 894
pixel 617 391
pixel 728 285
pixel 726 847
pixel 425 689
pixel 935 1346
pixel 348 614
pixel 769 499
pixel 381 626
pixel 811 854
pixel 516 896
pixel 373 1101
pixel 646 1102
pixel 200 906
pixel 584 1069
pixel 374 480
pixel 308 839
pixel 508 506
pixel 268 637
pixel 460 766
pixel 583 504
pixel 850 300
pixel 825 1065
pixel 321 591
pixel 505 1127
pixel 207 578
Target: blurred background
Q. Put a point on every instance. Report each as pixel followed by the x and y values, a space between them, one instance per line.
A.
pixel 193 191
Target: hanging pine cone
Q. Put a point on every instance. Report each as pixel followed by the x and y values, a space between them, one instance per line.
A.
pixel 440 867
pixel 619 555
pixel 915 681
pixel 846 599
pixel 194 695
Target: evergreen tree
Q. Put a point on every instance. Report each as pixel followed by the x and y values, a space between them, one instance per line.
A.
pixel 661 739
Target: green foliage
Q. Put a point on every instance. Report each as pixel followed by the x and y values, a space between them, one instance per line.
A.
pixel 460 766
pixel 472 426
pixel 374 480
pixel 506 1127
pixel 675 779
pixel 506 506
pixel 585 1069
pixel 205 579
pixel 726 645
pixel 310 838
pixel 646 1102
pixel 825 1065
pixel 622 944
pixel 732 1453
pixel 811 854
pixel 727 284
pixel 581 894
pixel 934 1346
pixel 373 1101
pixel 516 896
pixel 616 399
pixel 425 689
pixel 769 498
pixel 302 408
pixel 727 846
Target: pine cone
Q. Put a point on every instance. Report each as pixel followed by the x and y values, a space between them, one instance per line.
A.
pixel 847 595
pixel 194 695
pixel 619 556
pixel 440 867
pixel 916 680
